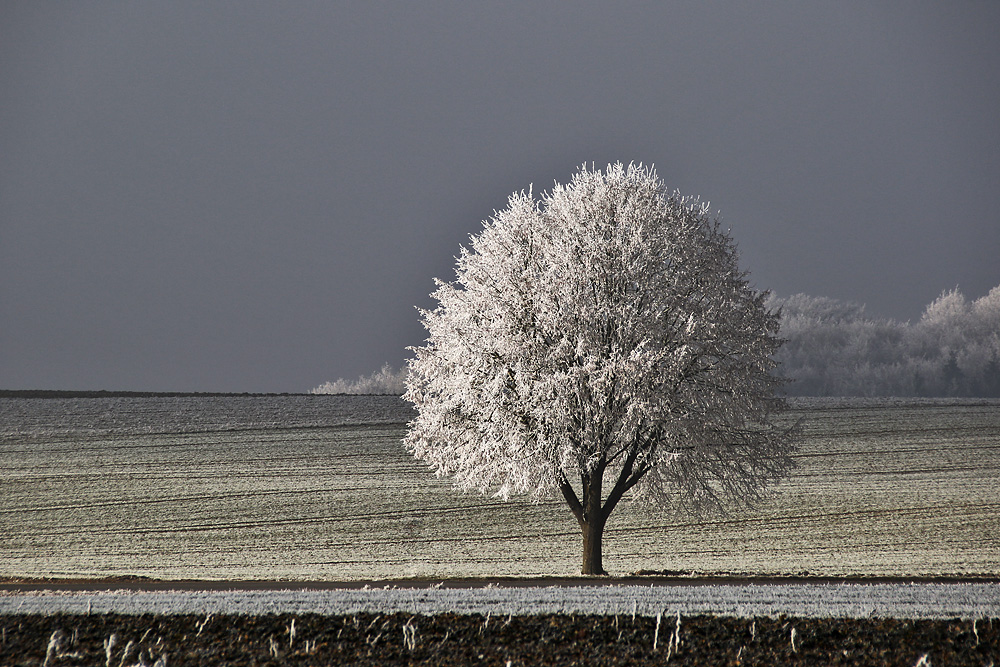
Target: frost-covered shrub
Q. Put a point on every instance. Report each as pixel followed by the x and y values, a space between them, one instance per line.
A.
pixel 384 381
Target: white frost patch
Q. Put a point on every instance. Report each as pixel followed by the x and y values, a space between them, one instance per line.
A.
pixel 807 600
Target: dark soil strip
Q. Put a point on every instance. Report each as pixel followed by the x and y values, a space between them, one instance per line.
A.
pixel 405 639
pixel 650 578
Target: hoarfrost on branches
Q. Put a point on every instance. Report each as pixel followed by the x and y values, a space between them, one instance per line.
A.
pixel 601 331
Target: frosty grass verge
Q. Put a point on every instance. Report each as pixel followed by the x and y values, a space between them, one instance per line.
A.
pixel 909 601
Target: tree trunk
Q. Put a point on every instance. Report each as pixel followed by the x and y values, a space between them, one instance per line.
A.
pixel 592 522
pixel 593 533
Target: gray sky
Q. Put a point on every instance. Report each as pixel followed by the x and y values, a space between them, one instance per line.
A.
pixel 253 196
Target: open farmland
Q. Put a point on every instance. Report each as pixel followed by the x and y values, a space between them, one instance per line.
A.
pixel 319 488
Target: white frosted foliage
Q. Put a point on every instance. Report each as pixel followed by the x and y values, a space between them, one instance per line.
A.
pixel 605 328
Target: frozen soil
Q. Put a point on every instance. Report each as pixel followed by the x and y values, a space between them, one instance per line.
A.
pixel 472 639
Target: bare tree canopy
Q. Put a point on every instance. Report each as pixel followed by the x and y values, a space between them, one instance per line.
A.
pixel 601 333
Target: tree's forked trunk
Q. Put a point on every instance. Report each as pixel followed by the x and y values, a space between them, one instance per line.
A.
pixel 591 514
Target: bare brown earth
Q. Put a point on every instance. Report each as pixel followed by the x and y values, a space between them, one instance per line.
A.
pixel 405 639
pixel 451 639
pixel 638 578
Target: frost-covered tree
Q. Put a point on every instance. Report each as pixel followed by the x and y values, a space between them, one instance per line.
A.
pixel 598 341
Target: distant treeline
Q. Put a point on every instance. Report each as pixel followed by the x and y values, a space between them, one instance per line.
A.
pixel 834 349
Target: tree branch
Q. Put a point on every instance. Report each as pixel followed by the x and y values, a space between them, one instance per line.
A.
pixel 626 480
pixel 570 495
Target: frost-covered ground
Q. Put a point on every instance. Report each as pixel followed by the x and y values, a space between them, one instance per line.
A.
pixel 319 488
pixel 967 601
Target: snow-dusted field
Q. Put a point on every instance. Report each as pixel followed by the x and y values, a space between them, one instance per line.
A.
pixel 967 601
pixel 319 488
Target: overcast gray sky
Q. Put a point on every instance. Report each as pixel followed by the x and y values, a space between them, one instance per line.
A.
pixel 253 196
